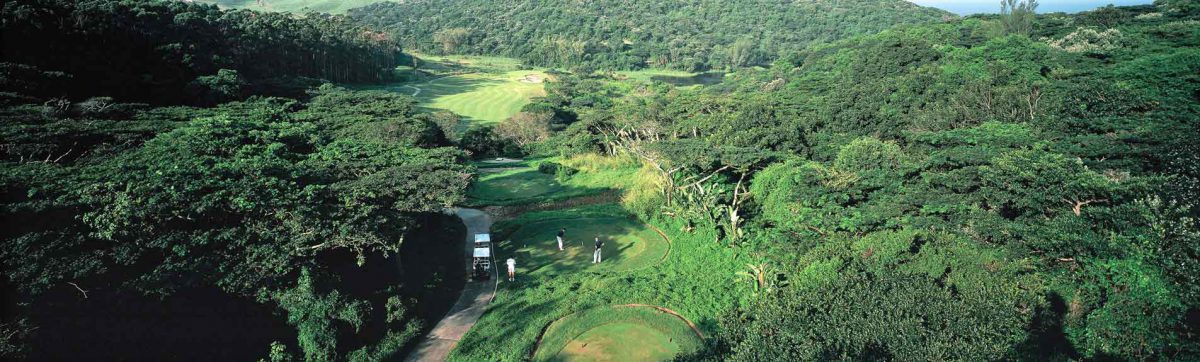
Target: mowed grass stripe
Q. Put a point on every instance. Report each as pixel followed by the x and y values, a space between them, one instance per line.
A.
pixel 490 101
pixel 481 97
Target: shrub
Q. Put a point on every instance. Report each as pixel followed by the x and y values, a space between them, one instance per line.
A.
pixel 483 142
pixel 526 128
pixel 222 87
pixel 1089 41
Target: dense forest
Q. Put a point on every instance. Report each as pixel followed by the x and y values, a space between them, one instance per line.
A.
pixel 202 216
pixel 617 34
pixel 991 188
pixel 172 51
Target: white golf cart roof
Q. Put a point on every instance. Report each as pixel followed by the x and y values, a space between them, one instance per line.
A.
pixel 483 238
pixel 483 252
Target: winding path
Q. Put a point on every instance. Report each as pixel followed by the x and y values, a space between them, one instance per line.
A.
pixel 416 90
pixel 470 305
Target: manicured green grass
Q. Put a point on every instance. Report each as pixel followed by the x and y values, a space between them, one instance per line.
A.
pixel 522 183
pixel 629 245
pixel 619 342
pixel 481 89
pixel 481 97
pixel 478 97
pixel 511 186
pixel 503 163
pixel 617 334
pixel 324 6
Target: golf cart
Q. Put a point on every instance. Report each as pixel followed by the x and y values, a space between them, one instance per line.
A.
pixel 481 257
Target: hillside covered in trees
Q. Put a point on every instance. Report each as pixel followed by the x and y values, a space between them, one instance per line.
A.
pixel 260 227
pixel 991 188
pixel 617 34
pixel 171 51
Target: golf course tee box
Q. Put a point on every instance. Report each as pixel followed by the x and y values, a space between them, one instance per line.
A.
pixel 617 333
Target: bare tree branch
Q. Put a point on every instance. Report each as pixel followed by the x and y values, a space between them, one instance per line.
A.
pixel 84 292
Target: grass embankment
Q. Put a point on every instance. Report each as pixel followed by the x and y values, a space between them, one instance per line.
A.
pixel 696 278
pixel 502 184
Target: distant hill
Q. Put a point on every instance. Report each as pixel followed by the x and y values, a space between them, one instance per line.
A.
pixel 621 34
pixel 324 6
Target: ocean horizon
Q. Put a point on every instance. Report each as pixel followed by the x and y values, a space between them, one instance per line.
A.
pixel 968 7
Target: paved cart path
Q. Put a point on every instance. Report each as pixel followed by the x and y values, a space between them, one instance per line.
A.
pixel 470 305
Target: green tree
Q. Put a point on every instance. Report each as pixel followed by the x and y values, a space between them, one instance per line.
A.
pixel 451 38
pixel 313 314
pixel 877 298
pixel 1033 182
pixel 1018 15
pixel 741 52
pixel 222 87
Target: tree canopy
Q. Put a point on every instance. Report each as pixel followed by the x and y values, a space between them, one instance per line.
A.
pixel 612 34
pixel 152 51
pixel 962 190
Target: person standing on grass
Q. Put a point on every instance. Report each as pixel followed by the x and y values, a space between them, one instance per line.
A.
pixel 561 233
pixel 512 269
pixel 596 254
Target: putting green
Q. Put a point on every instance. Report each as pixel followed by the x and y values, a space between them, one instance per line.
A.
pixel 617 334
pixel 611 342
pixel 628 245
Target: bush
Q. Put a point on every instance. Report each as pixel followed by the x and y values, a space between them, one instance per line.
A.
pixel 1089 41
pixel 226 85
pixel 56 108
pixel 483 142
pixel 556 169
pixel 905 295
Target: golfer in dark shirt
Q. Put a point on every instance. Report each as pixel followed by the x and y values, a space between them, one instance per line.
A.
pixel 596 254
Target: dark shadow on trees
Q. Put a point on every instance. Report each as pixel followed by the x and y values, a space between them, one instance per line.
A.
pixel 1047 339
pixel 197 324
pixel 428 274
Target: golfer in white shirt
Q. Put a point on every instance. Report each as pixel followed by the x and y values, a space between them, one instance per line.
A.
pixel 512 269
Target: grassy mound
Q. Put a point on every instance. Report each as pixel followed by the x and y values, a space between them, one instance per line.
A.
pixel 628 245
pixel 617 334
